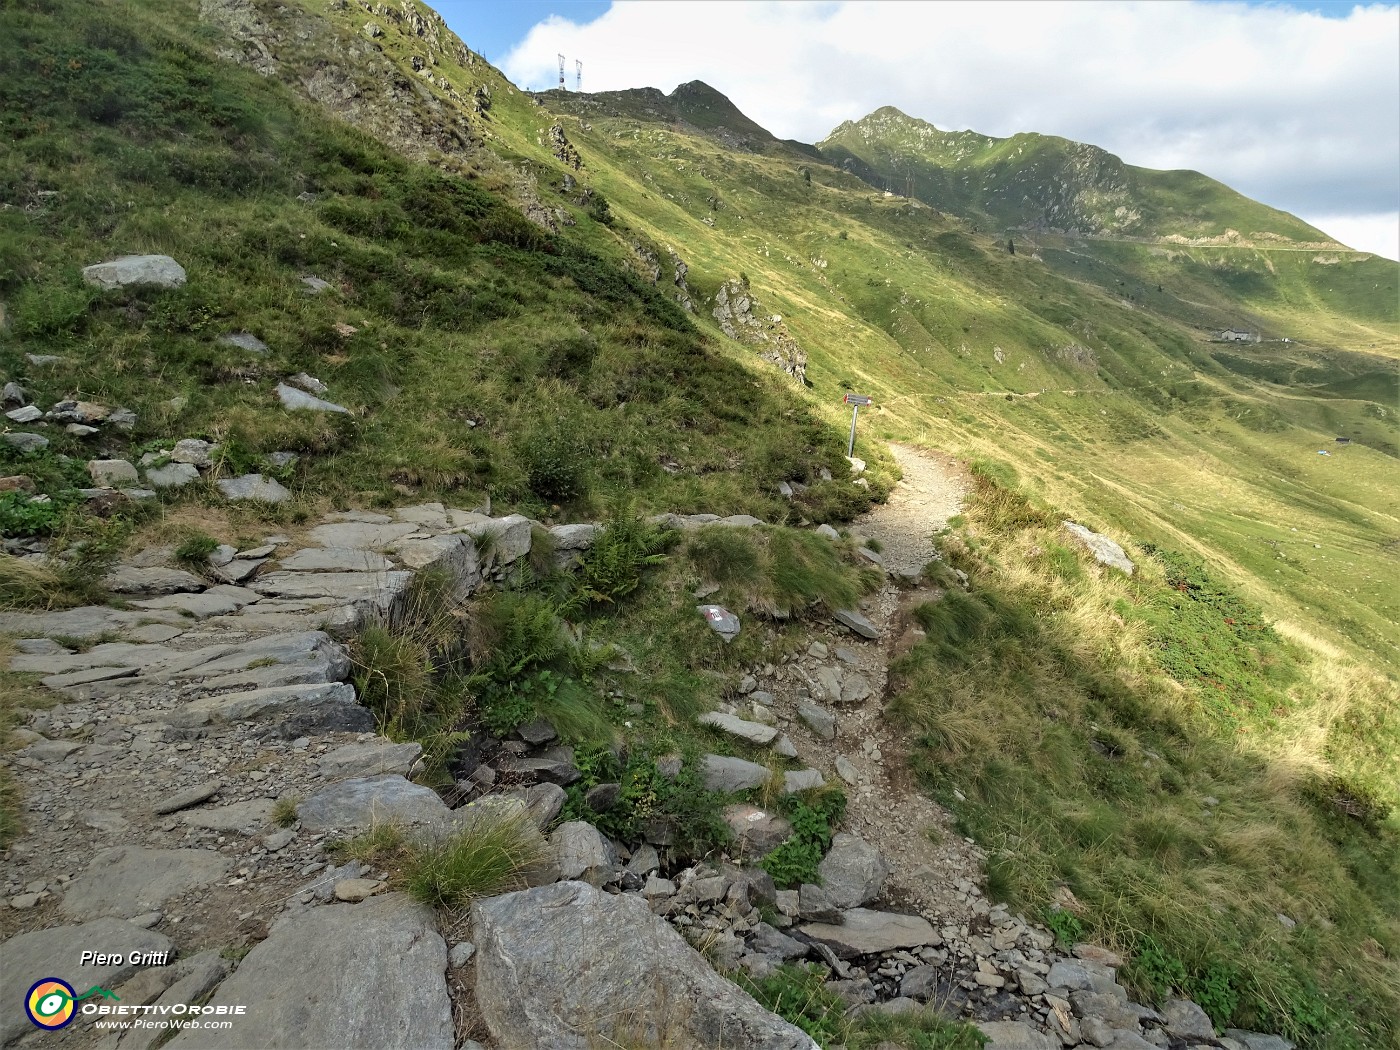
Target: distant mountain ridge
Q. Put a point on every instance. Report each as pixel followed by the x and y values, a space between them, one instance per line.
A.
pixel 1042 182
pixel 695 105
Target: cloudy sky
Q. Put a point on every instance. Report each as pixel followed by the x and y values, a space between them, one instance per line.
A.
pixel 1295 104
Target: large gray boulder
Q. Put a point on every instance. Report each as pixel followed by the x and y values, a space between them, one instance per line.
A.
pixel 160 271
pixel 56 952
pixel 753 732
pixel 367 975
pixel 253 487
pixel 853 872
pixel 567 967
pixel 263 704
pixel 1258 1040
pixel 299 400
pixel 370 759
pixel 856 622
pixel 726 773
pixel 1105 551
pixel 359 803
pixel 1016 1035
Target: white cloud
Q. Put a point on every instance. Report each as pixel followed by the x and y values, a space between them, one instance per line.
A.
pixel 1379 233
pixel 1289 107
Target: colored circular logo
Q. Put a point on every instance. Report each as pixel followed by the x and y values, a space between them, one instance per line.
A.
pixel 50 1003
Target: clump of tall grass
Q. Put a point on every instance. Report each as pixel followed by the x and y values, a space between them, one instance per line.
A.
pixel 492 854
pixel 82 552
pixel 777 572
pixel 493 850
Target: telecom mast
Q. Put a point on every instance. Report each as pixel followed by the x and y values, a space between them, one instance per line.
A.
pixel 561 72
pixel 578 75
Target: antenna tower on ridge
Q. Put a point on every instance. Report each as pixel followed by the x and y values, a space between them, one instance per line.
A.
pixel 561 72
pixel 578 74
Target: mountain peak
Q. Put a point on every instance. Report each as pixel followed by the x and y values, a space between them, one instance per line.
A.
pixel 695 105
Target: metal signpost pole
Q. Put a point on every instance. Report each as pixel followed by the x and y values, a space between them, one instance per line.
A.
pixel 855 401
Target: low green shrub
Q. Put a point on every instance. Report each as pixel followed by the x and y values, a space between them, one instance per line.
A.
pixel 649 801
pixel 813 815
pixel 622 549
pixel 1065 925
pixel 513 630
pixel 22 516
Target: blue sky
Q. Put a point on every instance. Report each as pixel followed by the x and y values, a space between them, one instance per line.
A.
pixel 1295 103
pixel 492 27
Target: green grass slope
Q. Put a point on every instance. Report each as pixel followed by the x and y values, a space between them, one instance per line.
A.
pixel 557 360
pixel 479 354
pixel 1031 181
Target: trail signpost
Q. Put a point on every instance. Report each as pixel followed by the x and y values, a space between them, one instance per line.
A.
pixel 855 401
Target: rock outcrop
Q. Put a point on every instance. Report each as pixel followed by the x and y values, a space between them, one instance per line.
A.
pixel 742 318
pixel 642 983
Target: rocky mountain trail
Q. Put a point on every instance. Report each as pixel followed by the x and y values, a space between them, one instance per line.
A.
pixel 207 747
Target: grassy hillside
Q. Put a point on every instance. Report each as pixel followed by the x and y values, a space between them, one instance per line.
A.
pixel 572 360
pixel 478 353
pixel 1036 181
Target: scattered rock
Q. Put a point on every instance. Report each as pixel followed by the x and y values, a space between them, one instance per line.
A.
pixel 866 932
pixel 856 622
pixel 253 487
pixel 310 384
pixel 1186 1020
pixel 727 774
pixel 753 732
pixel 244 341
pixel 112 473
pixel 158 270
pixel 802 780
pixel 813 905
pixel 352 891
pixel 723 622
pixel 853 871
pixel 358 803
pixel 184 799
pixel 298 400
pixel 25 442
pixel 819 720
pixel 1016 1035
pixel 583 853
pixel 757 832
pixel 369 759
pixel 172 476
pixel 1105 551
